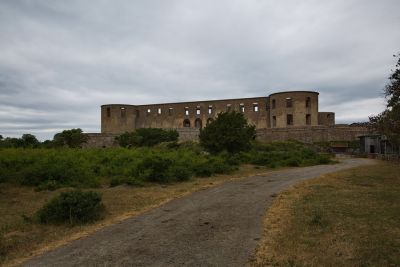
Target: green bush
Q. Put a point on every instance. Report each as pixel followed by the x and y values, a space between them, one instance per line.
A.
pixel 147 137
pixel 228 132
pixel 179 173
pixel 72 207
pixel 49 169
pixel 282 154
pixel 73 138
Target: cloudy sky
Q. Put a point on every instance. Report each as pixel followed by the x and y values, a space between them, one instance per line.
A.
pixel 61 60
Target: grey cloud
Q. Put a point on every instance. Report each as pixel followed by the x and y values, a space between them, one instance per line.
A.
pixel 61 60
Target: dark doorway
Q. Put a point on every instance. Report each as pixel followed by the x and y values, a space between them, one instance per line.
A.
pixel 186 123
pixel 198 124
pixel 371 149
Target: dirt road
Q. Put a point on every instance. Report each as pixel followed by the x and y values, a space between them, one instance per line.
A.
pixel 219 226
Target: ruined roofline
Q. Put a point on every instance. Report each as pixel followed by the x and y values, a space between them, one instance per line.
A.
pixel 188 102
pixel 286 92
pixel 211 100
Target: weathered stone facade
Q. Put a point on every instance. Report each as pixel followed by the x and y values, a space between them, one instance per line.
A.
pixel 321 133
pixel 279 110
pixel 277 117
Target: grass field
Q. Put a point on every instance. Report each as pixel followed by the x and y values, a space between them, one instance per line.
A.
pixel 350 218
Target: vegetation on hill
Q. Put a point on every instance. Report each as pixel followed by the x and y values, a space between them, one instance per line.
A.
pixel 48 169
pixel 73 138
pixel 147 137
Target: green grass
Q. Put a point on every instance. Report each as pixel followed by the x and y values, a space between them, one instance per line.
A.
pixel 350 218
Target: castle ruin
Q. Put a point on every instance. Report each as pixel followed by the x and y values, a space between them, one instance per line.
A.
pixel 277 117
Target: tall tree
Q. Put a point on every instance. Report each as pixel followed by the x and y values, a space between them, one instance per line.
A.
pixel 29 140
pixel 230 132
pixel 388 122
pixel 70 138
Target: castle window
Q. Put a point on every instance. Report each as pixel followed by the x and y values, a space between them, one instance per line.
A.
pixel 289 119
pixel 159 111
pixel 242 107
pixel 328 116
pixel 187 111
pixel 273 121
pixel 210 109
pixel 123 112
pixel 289 103
pixel 148 110
pixel 198 123
pixel 186 123
pixel 255 107
pixel 170 111
pixel 308 119
pixel 273 103
pixel 108 112
pixel 308 102
pixel 198 111
pixel 228 107
pixel 137 113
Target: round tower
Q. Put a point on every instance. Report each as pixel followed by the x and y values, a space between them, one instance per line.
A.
pixel 293 108
pixel 118 118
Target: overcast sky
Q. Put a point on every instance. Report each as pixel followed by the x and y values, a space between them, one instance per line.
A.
pixel 61 60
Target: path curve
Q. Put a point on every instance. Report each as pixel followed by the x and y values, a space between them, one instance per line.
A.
pixel 219 226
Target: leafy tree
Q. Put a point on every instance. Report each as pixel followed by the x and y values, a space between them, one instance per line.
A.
pixel 1 137
pixel 47 144
pixel 230 131
pixel 29 140
pixel 147 137
pixel 12 142
pixel 388 122
pixel 71 138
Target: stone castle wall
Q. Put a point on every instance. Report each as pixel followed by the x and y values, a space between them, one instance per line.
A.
pixel 312 134
pixel 277 117
pixel 279 110
pixel 303 134
pixel 100 140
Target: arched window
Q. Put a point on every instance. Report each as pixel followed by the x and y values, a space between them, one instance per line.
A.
pixel 273 103
pixel 198 123
pixel 186 123
pixel 123 112
pixel 289 103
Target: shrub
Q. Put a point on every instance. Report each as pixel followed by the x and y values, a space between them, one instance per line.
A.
pixel 155 169
pixel 147 137
pixel 73 138
pixel 230 131
pixel 179 173
pixel 72 207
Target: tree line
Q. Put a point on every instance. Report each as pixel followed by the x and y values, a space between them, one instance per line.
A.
pixel 68 138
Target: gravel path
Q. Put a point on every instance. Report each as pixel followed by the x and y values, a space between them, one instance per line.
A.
pixel 219 226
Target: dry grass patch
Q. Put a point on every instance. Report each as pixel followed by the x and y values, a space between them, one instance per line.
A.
pixel 20 237
pixel 350 218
